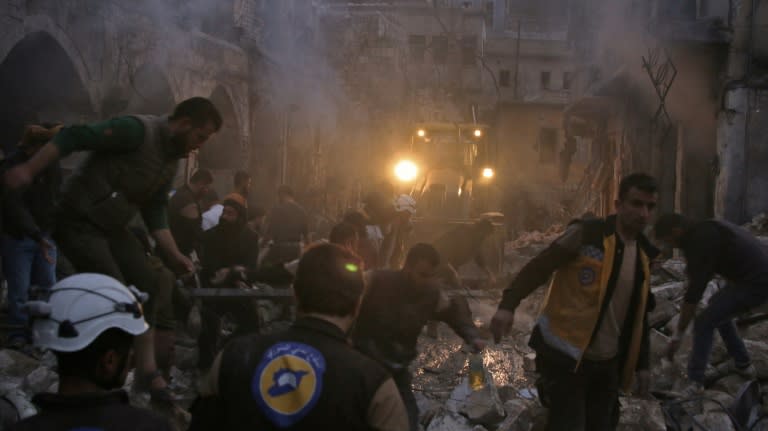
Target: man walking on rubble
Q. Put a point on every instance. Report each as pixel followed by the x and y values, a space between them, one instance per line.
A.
pixel 396 307
pixel 591 338
pixel 307 377
pixel 129 170
pixel 715 247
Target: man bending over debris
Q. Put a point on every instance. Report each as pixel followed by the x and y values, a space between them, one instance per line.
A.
pixel 129 170
pixel 715 247
pixel 592 335
pixel 396 308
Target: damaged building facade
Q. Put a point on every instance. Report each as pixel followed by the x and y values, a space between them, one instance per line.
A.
pixel 83 60
pixel 674 89
pixel 528 51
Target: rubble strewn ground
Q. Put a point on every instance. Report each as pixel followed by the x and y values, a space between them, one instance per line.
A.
pixel 510 402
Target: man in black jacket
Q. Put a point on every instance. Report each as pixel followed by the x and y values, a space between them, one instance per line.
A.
pixel 307 377
pixel 395 309
pixel 716 247
pixel 29 253
pixel 592 335
pixel 231 243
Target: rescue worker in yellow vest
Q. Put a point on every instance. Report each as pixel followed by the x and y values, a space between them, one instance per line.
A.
pixel 129 171
pixel 591 338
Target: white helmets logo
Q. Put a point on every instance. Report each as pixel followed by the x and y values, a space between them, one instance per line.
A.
pixel 405 203
pixel 83 306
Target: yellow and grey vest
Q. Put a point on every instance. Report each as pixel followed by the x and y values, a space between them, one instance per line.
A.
pixel 572 308
pixel 108 189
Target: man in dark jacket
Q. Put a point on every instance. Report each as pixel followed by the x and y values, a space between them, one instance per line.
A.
pixel 129 170
pixel 716 247
pixel 185 216
pixel 307 377
pixel 230 255
pixel 395 309
pixel 231 243
pixel 592 335
pixel 29 253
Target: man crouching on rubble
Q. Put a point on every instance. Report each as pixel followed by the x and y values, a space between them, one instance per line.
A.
pixel 715 247
pixel 592 335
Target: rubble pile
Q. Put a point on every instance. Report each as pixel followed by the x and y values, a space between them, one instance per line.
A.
pixel 535 238
pixel 758 225
pixel 509 399
pixel 446 402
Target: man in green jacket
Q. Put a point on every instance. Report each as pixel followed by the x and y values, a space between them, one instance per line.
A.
pixel 129 171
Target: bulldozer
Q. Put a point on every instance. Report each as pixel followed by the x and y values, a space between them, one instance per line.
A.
pixel 447 169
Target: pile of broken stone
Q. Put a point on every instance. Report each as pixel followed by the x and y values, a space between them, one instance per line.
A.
pixel 513 406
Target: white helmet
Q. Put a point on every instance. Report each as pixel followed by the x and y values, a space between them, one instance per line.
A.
pixel 405 203
pixel 81 307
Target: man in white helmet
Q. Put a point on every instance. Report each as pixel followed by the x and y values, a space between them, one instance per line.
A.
pixel 89 322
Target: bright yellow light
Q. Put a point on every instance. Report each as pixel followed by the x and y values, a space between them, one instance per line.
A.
pixel 488 173
pixel 406 170
pixel 478 133
pixel 422 133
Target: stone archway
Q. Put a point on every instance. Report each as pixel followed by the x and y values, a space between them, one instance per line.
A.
pixel 223 154
pixel 147 91
pixel 39 82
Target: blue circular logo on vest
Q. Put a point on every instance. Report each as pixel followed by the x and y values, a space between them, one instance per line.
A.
pixel 288 382
pixel 587 276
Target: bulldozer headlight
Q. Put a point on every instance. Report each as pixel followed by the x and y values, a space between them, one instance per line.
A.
pixel 488 173
pixel 478 133
pixel 421 133
pixel 406 170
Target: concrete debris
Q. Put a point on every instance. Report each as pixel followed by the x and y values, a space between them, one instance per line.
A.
pixel 39 380
pixel 482 408
pixel 714 401
pixel 669 291
pixel 529 362
pixel 729 384
pixel 675 268
pixel 459 396
pixel 15 363
pixel 719 421
pixel 428 408
pixel 664 312
pixel 450 421
pixel 759 352
pixel 758 225
pixel 535 239
pixel 640 414
pixel 523 415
